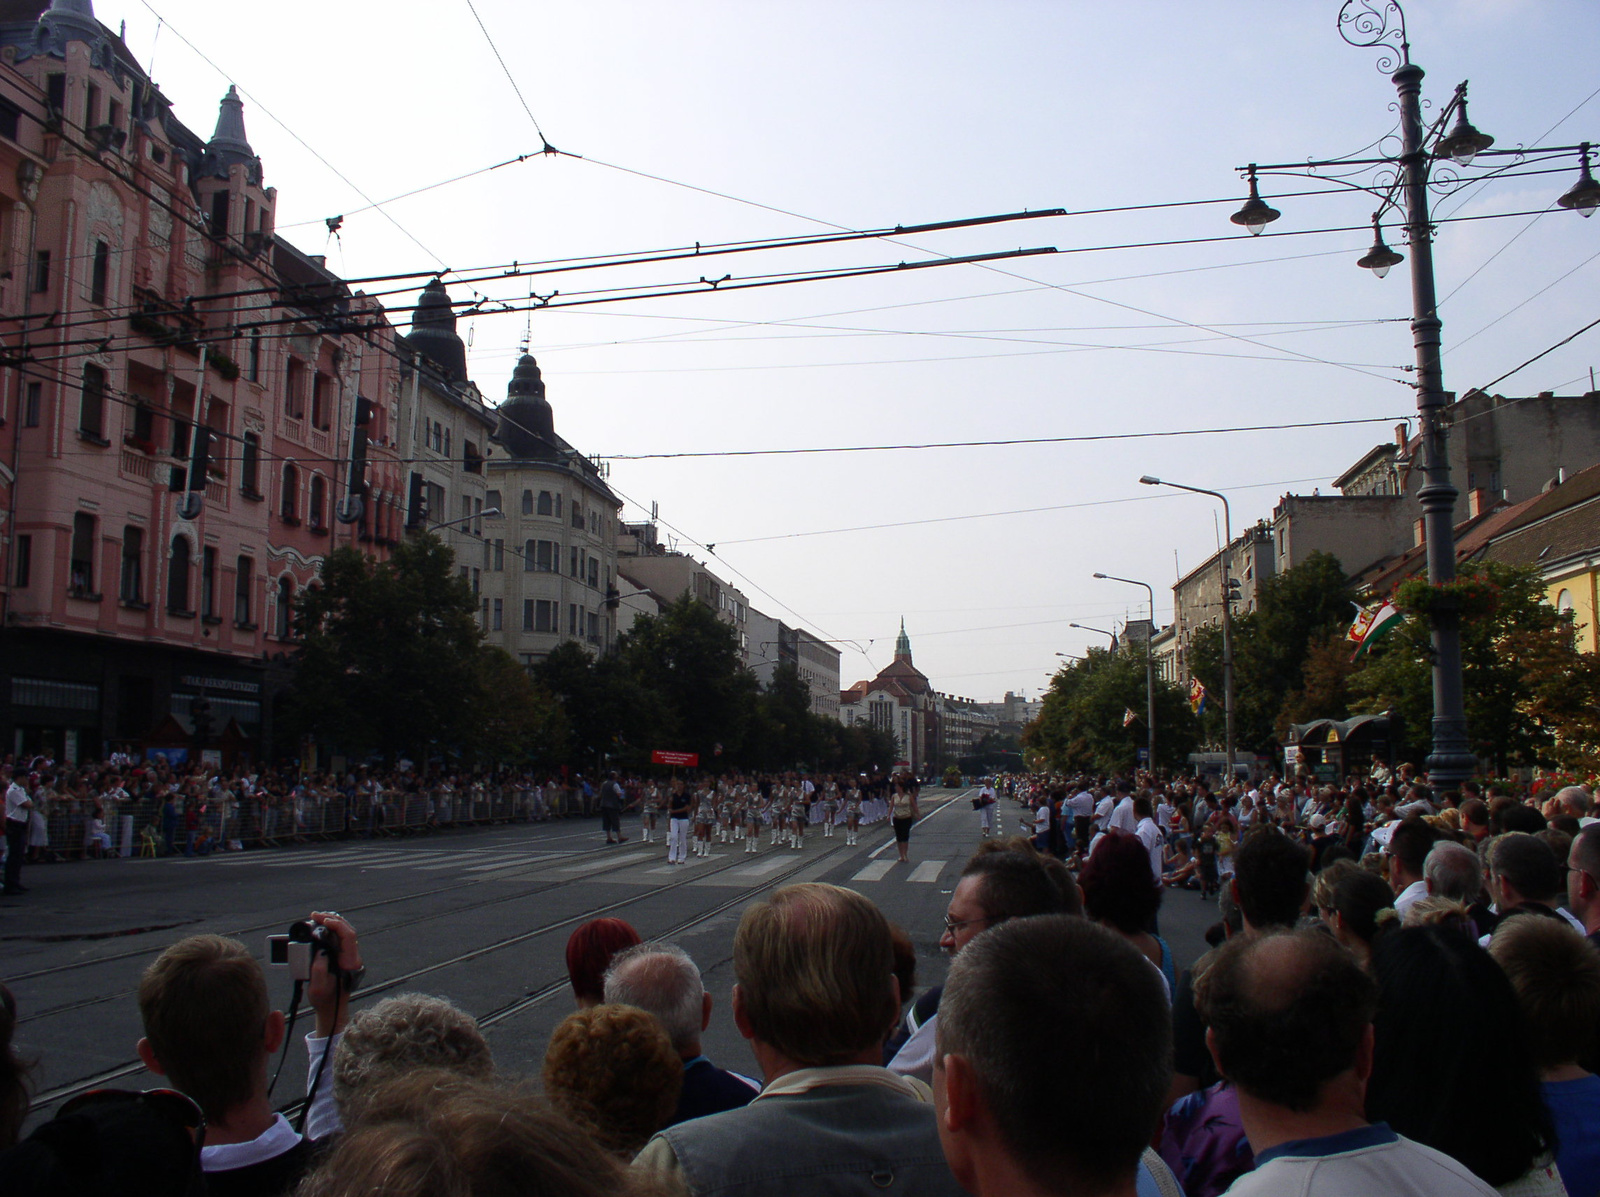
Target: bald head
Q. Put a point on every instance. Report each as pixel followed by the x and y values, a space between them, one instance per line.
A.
pixel 1287 1013
pixel 660 978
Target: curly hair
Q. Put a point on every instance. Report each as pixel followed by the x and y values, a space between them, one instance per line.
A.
pixel 1118 886
pixel 613 1069
pixel 411 1030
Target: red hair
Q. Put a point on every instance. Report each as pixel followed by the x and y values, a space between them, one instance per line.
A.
pixel 589 953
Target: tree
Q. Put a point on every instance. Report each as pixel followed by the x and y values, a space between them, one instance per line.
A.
pixel 1082 724
pixel 515 721
pixel 607 710
pixel 390 652
pixel 1523 678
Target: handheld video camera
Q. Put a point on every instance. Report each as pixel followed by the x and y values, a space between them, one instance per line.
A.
pixel 299 948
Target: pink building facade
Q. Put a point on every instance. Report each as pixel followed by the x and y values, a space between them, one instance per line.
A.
pixel 144 295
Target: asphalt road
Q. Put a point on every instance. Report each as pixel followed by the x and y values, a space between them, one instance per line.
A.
pixel 480 915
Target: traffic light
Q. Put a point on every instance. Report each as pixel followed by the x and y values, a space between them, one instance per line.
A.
pixel 356 481
pixel 193 482
pixel 613 598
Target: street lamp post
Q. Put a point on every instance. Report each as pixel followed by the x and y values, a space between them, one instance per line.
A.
pixel 488 513
pixel 1402 184
pixel 1149 664
pixel 1227 609
pixel 1085 627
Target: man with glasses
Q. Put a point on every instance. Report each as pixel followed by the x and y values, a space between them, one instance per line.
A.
pixel 994 886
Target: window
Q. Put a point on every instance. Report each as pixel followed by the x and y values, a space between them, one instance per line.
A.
pixel 527 502
pixel 594 627
pixel 483 616
pixel 220 212
pixel 488 555
pixel 91 106
pixel 131 589
pixel 471 459
pixel 572 619
pixel 546 616
pixel 24 568
pixel 250 466
pixel 572 562
pixel 41 271
pixel 285 625
pixel 289 504
pixel 319 491
pixel 477 517
pixel 92 412
pixel 241 591
pixel 180 437
pixel 100 274
pixel 10 117
pixel 80 579
pixel 31 404
pixel 255 357
pixel 446 447
pixel 577 516
pixel 178 578
pixel 547 555
pixel 477 582
pixel 547 503
pixel 208 583
pixel 594 571
pixel 499 612
pixel 491 498
pixel 527 615
pixel 319 401
pixel 294 402
pixel 499 556
pixel 144 424
pixel 55 93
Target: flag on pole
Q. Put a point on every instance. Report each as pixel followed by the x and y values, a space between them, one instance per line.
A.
pixel 1370 624
pixel 1128 716
pixel 1197 696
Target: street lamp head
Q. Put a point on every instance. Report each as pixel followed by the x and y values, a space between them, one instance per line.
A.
pixel 1584 195
pixel 1100 575
pixel 492 513
pixel 1380 257
pixel 1074 625
pixel 1256 214
pixel 1463 143
pixel 1150 480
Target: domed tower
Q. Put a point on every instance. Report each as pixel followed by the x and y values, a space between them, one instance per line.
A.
pixel 902 644
pixel 527 424
pixel 228 145
pixel 433 333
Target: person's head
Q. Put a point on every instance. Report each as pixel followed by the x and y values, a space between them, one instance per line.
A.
pixel 1271 879
pixel 1288 1016
pixel 1453 871
pixel 1453 1064
pixel 1556 975
pixel 1574 801
pixel 1522 868
pixel 1142 808
pixel 613 1068
pixel 661 979
pixel 430 1134
pixel 1519 816
pixel 1408 851
pixel 15 1090
pixel 1475 817
pixel 1441 912
pixel 905 961
pixel 208 1024
pixel 589 952
pixel 1354 904
pixel 398 1035
pixel 1000 884
pixel 815 975
pixel 111 1143
pixel 1001 1088
pixel 1583 876
pixel 1119 889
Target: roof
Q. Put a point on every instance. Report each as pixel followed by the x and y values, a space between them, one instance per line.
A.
pixel 1383 452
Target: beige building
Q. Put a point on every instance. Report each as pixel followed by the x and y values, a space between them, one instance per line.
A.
pixel 669 575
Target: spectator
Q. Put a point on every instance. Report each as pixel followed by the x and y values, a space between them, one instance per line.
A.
pixel 111 1143
pixel 1120 893
pixel 16 1093
pixel 1356 905
pixel 398 1035
pixel 994 886
pixel 432 1134
pixel 590 949
pixel 1453 1061
pixel 612 1069
pixel 1575 802
pixel 661 979
pixel 1007 1123
pixel 1556 977
pixel 209 1028
pixel 815 997
pixel 1408 854
pixel 1525 878
pixel 1583 881
pixel 1270 889
pixel 1453 871
pixel 1290 1017
pixel 1475 820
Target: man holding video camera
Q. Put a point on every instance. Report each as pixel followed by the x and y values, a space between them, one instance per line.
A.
pixel 210 1029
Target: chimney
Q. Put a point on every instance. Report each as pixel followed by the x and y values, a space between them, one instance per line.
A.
pixel 1478 502
pixel 1418 535
pixel 1400 437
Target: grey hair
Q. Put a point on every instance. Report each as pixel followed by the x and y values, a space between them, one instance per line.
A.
pixel 399 1035
pixel 661 979
pixel 1574 800
pixel 1453 871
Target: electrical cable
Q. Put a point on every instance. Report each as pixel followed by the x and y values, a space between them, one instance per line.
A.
pixel 1542 353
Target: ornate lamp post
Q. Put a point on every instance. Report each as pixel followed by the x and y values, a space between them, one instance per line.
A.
pixel 1429 157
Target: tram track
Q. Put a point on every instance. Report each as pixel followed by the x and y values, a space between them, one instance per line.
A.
pixel 500 1014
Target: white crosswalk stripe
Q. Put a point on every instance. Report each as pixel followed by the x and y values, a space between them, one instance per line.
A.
pixel 876 871
pixel 928 871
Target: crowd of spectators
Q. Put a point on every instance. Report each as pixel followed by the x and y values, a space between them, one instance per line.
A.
pixel 1403 996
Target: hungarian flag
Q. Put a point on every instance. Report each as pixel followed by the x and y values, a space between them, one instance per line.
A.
pixel 1197 696
pixel 1372 623
pixel 1128 716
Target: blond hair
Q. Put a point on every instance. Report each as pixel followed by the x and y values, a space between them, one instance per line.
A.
pixel 614 1070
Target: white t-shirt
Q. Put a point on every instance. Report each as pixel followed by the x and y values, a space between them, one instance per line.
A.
pixel 1081 804
pixel 16 803
pixel 1372 1159
pixel 1122 818
pixel 1152 839
pixel 1102 811
pixel 1041 821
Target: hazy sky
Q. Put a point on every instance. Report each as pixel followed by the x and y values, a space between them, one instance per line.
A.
pixel 875 113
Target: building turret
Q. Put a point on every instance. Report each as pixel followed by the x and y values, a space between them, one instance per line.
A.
pixel 902 644
pixel 433 332
pixel 527 424
pixel 72 21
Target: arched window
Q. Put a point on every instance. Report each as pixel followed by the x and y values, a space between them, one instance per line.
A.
pixel 178 577
pixel 1564 600
pixel 290 507
pixel 318 498
pixel 285 607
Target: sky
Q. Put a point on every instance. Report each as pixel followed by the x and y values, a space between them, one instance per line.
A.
pixel 683 123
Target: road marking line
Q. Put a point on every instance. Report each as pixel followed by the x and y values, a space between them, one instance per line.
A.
pixel 876 871
pixel 927 871
pixel 767 866
pixel 605 862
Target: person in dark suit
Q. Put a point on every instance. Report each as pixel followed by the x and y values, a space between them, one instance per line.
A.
pixel 662 979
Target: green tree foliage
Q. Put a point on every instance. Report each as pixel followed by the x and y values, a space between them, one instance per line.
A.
pixel 1081 723
pixel 390 652
pixel 516 721
pixel 1530 695
pixel 1307 605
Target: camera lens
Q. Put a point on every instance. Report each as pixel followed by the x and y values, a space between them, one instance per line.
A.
pixel 302 932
